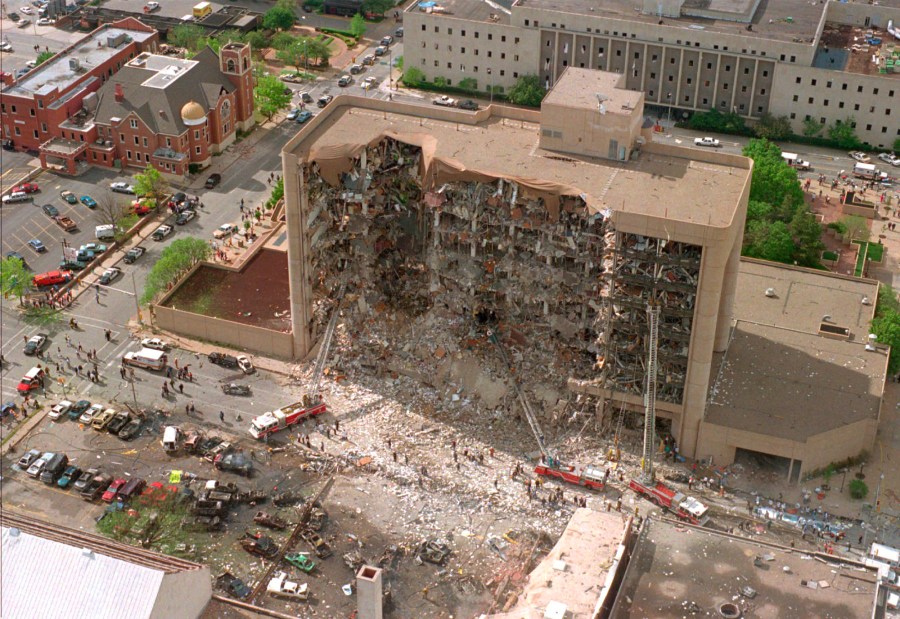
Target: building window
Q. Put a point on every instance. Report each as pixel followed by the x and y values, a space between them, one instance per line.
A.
pixel 145 142
pixel 652 75
pixel 477 34
pixel 709 65
pixel 887 112
pixel 516 40
pixel 41 103
pixel 746 70
pixel 128 154
pixel 822 120
pixel 449 30
pixel 793 115
pixel 18 132
pixel 490 36
pixel 133 124
pixel 449 65
pixel 168 142
pixel 136 141
pixel 35 134
pixel 841 105
pixel 793 59
pixel 197 150
pixel 856 107
pixel 197 133
pixel 859 89
pixel 762 91
pixel 765 74
pixel 44 127
pixel 122 138
pixel 727 68
pixel 868 127
pixel 423 27
pixel 689 81
pixel 618 52
pixel 437 29
pixel 810 100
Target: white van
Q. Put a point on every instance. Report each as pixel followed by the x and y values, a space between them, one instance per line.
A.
pixel 865 170
pixel 105 233
pixel 170 439
pixel 794 160
pixel 146 358
pixel 16 196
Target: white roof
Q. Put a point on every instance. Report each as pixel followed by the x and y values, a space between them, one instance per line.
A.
pixel 48 579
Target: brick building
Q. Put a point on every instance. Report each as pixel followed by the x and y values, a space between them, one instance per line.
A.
pixel 110 100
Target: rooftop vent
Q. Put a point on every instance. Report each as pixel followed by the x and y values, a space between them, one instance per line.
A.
pixel 770 292
pixel 74 64
pixel 14 532
pixel 834 331
pixel 120 94
pixel 87 552
pixel 865 301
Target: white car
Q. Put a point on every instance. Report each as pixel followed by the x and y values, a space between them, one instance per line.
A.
pixel 88 415
pixel 445 101
pixel 59 410
pixel 245 364
pixel 889 158
pixel 45 21
pixel 280 586
pixel 859 156
pixel 707 141
pixel 162 232
pixel 120 187
pixel 27 10
pixel 110 275
pixel 369 82
pixel 155 343
pixel 5 46
pixel 225 230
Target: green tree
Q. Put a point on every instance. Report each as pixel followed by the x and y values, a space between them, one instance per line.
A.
pixel 269 95
pixel 279 17
pixel 811 127
pixel 897 146
pixel 15 279
pixel 774 181
pixel 413 77
pixel 319 50
pixel 282 40
pixel 293 54
pixel 856 228
pixel 772 127
pixel 858 489
pixel 807 233
pixel 717 122
pixel 468 83
pixel 527 91
pixel 44 57
pixel 174 261
pixel 151 183
pixel 887 328
pixel 378 7
pixel 358 26
pixel 887 300
pixel 769 241
pixel 759 211
pixel 257 39
pixel 842 132
pixel 187 36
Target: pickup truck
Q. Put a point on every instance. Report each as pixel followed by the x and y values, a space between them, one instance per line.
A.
pixel 710 142
pixel 65 223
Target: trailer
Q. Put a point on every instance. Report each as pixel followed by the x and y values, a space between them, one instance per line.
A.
pixel 277 420
pixel 684 507
pixel 591 477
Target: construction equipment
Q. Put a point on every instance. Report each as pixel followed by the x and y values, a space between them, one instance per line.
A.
pixel 311 405
pixel 650 395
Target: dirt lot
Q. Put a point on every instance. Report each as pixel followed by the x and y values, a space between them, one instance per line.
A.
pixel 258 295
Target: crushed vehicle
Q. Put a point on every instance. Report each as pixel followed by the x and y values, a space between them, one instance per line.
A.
pixel 259 545
pixel 280 586
pixel 234 462
pixel 233 389
pixel 433 551
pixel 301 561
pixel 319 545
pixel 268 520
pixel 234 586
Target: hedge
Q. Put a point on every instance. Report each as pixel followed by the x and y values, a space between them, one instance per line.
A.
pixel 431 87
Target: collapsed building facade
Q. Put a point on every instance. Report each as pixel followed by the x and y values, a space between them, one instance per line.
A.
pixel 565 223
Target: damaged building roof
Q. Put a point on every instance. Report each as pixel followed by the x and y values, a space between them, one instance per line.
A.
pixel 779 375
pixel 676 184
pixel 681 571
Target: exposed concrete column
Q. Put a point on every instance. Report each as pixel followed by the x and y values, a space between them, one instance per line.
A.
pixel 368 592
pixel 295 218
pixel 729 289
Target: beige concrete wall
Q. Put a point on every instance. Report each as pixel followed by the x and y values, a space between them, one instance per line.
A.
pixel 183 594
pixel 217 330
pixel 580 131
pixel 862 14
pixel 873 101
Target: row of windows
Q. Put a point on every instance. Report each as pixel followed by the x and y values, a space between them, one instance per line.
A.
pixel 826 102
pixel 824 120
pixel 462 50
pixel 461 68
pixel 490 35
pixel 830 83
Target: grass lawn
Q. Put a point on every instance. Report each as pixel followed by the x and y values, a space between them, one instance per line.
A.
pixel 872 251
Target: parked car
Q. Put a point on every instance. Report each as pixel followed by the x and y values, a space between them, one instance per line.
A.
pixel 32 380
pixel 131 430
pixel 155 343
pixel 17 256
pixel 69 476
pixel 109 495
pixel 110 275
pixel 468 104
pixel 35 344
pixel 96 487
pixel 387 40
pixel 213 180
pixel 225 230
pixel 102 421
pixel 889 158
pixel 325 100
pixel 88 201
pixel 859 156
pixel 118 422
pixel 399 32
pixel 245 364
pixel 234 462
pixel 38 465
pixel 280 586
pixel 445 101
pixel 78 408
pixel 178 197
pixel 356 69
pixel 68 197
pixel 185 216
pixel 303 116
pixel 50 210
pixel 26 188
pixel 369 82
pixel 16 196
pixel 37 246
pixel 73 265
pixel 226 361
pixel 162 232
pixel 235 586
pixel 28 459
pixel 59 410
pixel 292 115
pixel 345 80
pixel 120 187
pixel 707 141
pixel 5 46
pixel 84 479
pixel 133 488
pixel 97 248
pixel 54 468
pixel 133 254
pixel 368 60
pixel 90 414
pixel 381 50
pixel 142 207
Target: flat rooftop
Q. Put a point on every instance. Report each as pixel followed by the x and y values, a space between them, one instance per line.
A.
pixel 578 88
pixel 778 376
pixel 587 548
pixel 770 20
pixel 90 52
pixel 495 11
pixel 677 188
pixel 847 48
pixel 678 571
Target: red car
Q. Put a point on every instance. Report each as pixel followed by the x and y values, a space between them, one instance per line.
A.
pixel 27 188
pixel 32 380
pixel 113 490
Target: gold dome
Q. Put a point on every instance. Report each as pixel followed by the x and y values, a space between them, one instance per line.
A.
pixel 192 112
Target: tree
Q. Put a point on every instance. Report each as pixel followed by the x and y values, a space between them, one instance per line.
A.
pixel 807 233
pixel 759 211
pixel 174 261
pixel 769 241
pixel 773 127
pixel 527 91
pixel 187 36
pixel 378 7
pixel 15 279
pixel 811 127
pixel 774 181
pixel 151 183
pixel 293 54
pixel 413 77
pixel 897 146
pixel 269 95
pixel 717 122
pixel 279 17
pixel 282 40
pixel 319 51
pixel 44 57
pixel 358 26
pixel 109 210
pixel 857 228
pixel 842 132
pixel 257 40
pixel 468 83
pixel 858 489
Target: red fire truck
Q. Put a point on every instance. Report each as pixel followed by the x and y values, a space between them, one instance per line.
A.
pixel 684 507
pixel 589 477
pixel 277 420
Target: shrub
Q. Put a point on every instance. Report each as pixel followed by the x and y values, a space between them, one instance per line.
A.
pixel 717 122
pixel 858 489
pixel 838 226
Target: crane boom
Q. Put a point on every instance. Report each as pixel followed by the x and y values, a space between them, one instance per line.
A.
pixel 650 394
pixel 322 357
pixel 526 405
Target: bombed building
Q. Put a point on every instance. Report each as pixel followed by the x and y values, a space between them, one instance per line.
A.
pixel 551 231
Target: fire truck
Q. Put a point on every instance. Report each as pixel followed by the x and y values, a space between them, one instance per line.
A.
pixel 277 420
pixel 589 477
pixel 311 405
pixel 684 507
